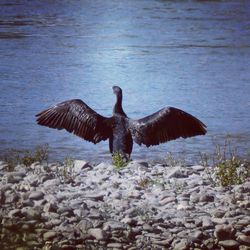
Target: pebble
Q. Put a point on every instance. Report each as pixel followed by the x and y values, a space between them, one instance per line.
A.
pixel 50 235
pixel 97 233
pixel 229 244
pixel 142 206
pixel 224 232
pixel 36 195
pixel 244 239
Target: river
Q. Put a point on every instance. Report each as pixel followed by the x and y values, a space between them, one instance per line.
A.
pixel 194 55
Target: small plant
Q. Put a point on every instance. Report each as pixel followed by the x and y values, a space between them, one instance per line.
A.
pixel 119 161
pixel 227 167
pixel 232 171
pixel 145 182
pixel 67 172
pixel 26 157
pixel 173 162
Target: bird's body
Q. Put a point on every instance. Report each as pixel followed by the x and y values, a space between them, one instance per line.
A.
pixel 77 117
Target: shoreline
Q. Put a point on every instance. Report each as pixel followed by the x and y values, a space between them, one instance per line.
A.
pixel 141 206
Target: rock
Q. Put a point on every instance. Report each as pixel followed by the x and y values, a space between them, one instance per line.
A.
pixel 84 225
pixel 129 221
pixel 97 233
pixel 167 200
pixel 229 244
pixel 244 239
pixel 31 213
pixel 11 197
pixel 36 195
pixel 79 165
pixel 182 245
pixel 198 168
pixel 15 213
pixel 95 196
pixel 224 232
pixel 207 223
pixel 114 225
pixel 206 198
pixel 196 236
pixel 50 207
pixel 176 172
pixel 50 235
pixel 115 245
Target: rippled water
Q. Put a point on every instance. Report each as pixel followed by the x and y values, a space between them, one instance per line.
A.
pixel 189 54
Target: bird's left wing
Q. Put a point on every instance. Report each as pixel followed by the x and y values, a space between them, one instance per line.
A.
pixel 76 117
pixel 165 125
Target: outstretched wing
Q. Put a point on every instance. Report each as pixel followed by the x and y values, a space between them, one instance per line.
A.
pixel 78 118
pixel 165 125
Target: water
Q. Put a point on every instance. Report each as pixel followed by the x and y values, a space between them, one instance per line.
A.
pixel 193 55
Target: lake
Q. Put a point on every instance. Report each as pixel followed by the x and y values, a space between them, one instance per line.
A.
pixel 194 55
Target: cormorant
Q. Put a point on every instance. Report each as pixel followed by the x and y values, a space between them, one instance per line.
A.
pixel 78 118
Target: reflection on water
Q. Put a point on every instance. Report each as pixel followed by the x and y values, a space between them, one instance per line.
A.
pixel 189 54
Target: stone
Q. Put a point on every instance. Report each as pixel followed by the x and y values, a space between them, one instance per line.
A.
pixel 167 200
pixel 84 225
pixel 50 235
pixel 114 225
pixel 182 245
pixel 198 168
pixel 224 232
pixel 36 195
pixel 31 213
pixel 207 223
pixel 79 165
pixel 50 207
pixel 206 198
pixel 115 245
pixel 15 213
pixel 244 239
pixel 197 235
pixel 176 172
pixel 97 233
pixel 95 196
pixel 229 244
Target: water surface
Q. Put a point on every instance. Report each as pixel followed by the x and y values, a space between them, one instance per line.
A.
pixel 193 55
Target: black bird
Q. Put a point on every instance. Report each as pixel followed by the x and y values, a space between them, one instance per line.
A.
pixel 78 118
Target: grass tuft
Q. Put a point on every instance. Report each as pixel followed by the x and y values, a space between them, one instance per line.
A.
pixel 118 161
pixel 224 167
pixel 14 156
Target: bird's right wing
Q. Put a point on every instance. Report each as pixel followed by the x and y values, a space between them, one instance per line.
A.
pixel 165 125
pixel 76 117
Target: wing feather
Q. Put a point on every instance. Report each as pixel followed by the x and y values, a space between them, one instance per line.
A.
pixel 165 125
pixel 76 117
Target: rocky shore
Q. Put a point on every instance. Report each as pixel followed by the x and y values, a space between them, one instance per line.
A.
pixel 142 206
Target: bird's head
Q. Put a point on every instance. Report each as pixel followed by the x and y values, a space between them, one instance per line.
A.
pixel 117 90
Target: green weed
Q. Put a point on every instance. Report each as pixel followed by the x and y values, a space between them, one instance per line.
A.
pixel 14 156
pixel 118 161
pixel 224 167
